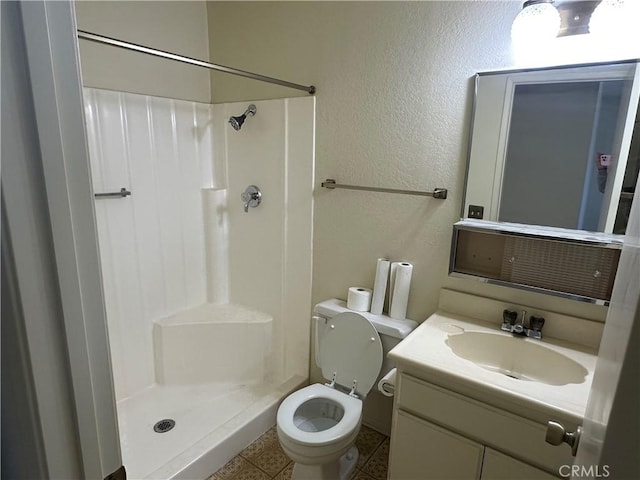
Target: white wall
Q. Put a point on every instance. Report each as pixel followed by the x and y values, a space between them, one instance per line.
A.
pixel 394 103
pixel 174 26
pixel 152 244
pixel 39 424
pixel 52 228
pixel 613 400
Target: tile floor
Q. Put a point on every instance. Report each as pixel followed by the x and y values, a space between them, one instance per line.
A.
pixel 265 460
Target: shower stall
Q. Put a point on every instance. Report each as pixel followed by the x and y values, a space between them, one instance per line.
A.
pixel 208 302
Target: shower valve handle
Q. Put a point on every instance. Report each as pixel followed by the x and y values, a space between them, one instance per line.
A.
pixel 251 197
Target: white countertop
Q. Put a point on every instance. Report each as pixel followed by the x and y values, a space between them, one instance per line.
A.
pixel 425 354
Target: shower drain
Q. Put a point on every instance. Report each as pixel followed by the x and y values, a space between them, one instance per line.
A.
pixel 164 425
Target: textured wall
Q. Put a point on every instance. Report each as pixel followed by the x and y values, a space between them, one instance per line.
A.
pixel 394 104
pixel 178 27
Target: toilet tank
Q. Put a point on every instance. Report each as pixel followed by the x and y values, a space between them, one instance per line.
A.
pixel 391 331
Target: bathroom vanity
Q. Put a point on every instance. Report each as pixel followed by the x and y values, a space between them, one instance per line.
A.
pixel 473 402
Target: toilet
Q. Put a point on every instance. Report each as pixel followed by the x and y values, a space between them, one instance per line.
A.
pixel 318 425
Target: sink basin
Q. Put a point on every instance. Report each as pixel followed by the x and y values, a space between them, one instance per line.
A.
pixel 516 357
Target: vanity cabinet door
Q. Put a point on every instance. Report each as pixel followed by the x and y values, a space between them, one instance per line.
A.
pixel 497 466
pixel 422 450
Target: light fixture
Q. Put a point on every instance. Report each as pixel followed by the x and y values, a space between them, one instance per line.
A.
pixel 615 18
pixel 548 32
pixel 575 16
pixel 539 21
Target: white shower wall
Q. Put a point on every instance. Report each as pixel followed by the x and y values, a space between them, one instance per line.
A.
pixel 151 243
pixel 270 246
pixel 182 239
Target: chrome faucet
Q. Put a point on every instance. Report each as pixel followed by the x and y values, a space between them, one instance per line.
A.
pixel 519 328
pixel 251 197
pixel 510 324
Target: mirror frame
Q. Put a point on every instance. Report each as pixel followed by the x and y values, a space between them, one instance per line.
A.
pixel 500 144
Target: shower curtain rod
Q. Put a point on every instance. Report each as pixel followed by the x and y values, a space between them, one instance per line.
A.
pixel 114 42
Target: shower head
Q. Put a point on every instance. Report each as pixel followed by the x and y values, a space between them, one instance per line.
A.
pixel 236 122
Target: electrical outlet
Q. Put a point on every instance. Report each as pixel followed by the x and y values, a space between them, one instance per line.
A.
pixel 476 211
pixel 605 160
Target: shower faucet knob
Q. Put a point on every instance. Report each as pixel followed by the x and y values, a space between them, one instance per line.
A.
pixel 251 197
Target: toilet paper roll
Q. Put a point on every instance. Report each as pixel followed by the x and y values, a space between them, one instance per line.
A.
pixel 401 282
pixel 393 269
pixel 387 384
pixel 359 299
pixel 380 286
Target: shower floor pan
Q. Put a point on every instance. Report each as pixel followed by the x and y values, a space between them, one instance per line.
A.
pixel 213 422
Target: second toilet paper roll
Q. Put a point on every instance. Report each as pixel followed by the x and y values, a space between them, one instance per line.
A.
pixel 359 299
pixel 380 286
pixel 400 284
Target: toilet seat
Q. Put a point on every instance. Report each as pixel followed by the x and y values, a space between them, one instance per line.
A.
pixel 351 349
pixel 346 425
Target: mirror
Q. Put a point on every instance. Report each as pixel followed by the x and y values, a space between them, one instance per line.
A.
pixel 555 146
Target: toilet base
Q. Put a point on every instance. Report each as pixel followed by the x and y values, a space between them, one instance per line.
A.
pixel 348 463
pixel 338 470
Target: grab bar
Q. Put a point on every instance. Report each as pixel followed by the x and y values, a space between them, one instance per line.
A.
pixel 121 194
pixel 440 193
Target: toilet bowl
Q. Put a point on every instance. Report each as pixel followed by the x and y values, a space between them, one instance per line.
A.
pixel 317 425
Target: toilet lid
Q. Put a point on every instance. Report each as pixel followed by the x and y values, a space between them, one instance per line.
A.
pixel 351 348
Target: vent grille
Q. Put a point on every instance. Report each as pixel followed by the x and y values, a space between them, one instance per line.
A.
pixel 583 270
pixel 561 266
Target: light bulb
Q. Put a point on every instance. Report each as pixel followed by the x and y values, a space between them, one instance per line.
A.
pixel 615 18
pixel 538 22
